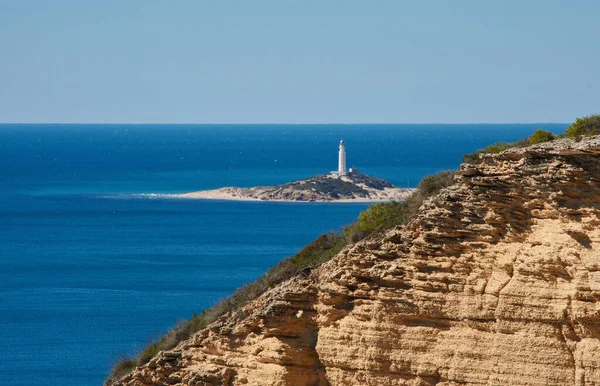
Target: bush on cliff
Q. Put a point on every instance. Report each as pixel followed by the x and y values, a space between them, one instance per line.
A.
pixel 322 249
pixel 475 158
pixel 123 366
pixel 472 158
pixel 582 127
pixel 376 218
pixel 429 186
pixel 498 147
pixel 585 126
pixel 540 136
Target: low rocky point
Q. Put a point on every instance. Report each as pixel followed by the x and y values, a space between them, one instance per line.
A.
pixel 325 187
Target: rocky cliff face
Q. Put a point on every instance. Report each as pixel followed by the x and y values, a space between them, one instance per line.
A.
pixel 495 282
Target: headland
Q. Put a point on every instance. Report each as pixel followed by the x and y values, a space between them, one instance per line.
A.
pixel 350 187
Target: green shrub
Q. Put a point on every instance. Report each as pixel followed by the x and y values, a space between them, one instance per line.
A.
pixel 429 186
pixel 379 217
pixel 585 126
pixel 122 367
pixel 371 182
pixel 472 158
pixel 336 187
pixel 322 249
pixel 432 184
pixel 496 148
pixel 540 136
pixel 151 351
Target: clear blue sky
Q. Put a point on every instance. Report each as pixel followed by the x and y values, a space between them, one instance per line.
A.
pixel 277 61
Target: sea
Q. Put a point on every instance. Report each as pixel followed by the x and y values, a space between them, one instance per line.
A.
pixel 96 259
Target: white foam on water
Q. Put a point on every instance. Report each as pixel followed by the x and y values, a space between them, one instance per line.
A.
pixel 142 196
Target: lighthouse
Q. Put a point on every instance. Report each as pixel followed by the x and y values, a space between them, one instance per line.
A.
pixel 342 159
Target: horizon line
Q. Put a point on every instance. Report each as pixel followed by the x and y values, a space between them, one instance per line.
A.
pixel 283 123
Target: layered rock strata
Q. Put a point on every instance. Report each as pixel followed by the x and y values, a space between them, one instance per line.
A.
pixel 495 282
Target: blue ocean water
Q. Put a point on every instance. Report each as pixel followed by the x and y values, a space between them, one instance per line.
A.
pixel 89 270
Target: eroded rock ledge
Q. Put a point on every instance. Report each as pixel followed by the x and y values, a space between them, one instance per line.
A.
pixel 495 282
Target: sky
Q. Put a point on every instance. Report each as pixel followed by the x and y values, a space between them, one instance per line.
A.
pixel 283 61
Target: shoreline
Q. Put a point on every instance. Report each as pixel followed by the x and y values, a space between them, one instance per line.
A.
pixel 223 195
pixel 186 196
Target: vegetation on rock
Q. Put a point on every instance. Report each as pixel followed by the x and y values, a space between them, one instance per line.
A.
pixel 582 127
pixel 370 182
pixel 428 187
pixel 540 136
pixel 498 147
pixel 334 187
pixel 585 126
pixel 339 188
pixel 378 217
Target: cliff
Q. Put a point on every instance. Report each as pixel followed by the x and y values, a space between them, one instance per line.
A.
pixel 496 281
pixel 323 187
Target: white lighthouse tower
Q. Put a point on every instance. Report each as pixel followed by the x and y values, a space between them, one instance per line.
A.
pixel 342 159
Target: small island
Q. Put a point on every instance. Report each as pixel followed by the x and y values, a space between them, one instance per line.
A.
pixel 341 185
